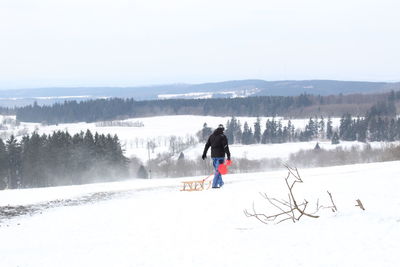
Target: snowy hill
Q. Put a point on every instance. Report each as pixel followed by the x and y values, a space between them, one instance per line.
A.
pixel 226 89
pixel 152 223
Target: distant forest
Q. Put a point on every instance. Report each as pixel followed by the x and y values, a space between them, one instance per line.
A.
pixel 60 159
pixel 302 106
pixel 378 124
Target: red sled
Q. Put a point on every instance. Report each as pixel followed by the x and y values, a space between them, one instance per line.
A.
pixel 223 168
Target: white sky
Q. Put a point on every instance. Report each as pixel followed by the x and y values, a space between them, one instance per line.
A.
pixel 143 42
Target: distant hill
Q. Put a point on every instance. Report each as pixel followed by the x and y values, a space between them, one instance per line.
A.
pixel 228 89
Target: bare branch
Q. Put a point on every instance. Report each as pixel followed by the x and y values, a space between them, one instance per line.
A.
pixel 291 209
pixel 334 208
pixel 359 204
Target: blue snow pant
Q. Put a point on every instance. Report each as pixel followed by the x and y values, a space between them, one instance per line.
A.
pixel 217 182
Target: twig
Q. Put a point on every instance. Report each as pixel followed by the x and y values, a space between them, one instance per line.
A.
pixel 334 208
pixel 359 204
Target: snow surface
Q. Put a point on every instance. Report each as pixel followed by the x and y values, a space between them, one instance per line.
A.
pixel 160 129
pixel 155 224
pixel 206 95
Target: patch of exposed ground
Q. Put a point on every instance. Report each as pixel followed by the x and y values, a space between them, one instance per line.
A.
pixel 9 212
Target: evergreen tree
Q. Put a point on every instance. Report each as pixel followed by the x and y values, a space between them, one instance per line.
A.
pixel 247 136
pixel 3 165
pixel 392 130
pixel 270 132
pixel 321 128
pixel 373 131
pixel 309 132
pixel 382 129
pixel 279 134
pixel 142 173
pixel 346 129
pixel 285 134
pixel 205 133
pixel 361 130
pixel 88 149
pixel 14 162
pixel 78 158
pixel 32 161
pixel 119 161
pixel 237 132
pixel 257 131
pixel 291 131
pixel 335 138
pixel 313 127
pixel 329 129
pixel 229 130
pixel 233 131
pixel 59 149
pixel 317 147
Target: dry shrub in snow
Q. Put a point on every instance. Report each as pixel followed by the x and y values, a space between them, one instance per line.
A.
pixel 165 165
pixel 291 208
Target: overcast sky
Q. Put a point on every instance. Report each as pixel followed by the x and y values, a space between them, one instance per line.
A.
pixel 145 42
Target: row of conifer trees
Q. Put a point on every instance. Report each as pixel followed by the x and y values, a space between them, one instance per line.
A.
pixel 60 159
pixel 363 129
pixel 275 131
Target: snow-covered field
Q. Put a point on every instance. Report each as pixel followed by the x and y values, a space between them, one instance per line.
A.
pixel 155 224
pixel 160 129
pixel 152 223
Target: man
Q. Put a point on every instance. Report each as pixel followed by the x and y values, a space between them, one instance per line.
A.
pixel 219 147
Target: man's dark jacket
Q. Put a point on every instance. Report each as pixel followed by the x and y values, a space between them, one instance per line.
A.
pixel 219 145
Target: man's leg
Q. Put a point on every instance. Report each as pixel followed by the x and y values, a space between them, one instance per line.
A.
pixel 217 182
pixel 220 182
pixel 215 165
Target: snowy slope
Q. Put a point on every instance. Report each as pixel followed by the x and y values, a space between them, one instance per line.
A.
pixel 154 224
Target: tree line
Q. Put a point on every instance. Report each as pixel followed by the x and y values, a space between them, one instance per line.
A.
pixel 268 106
pixel 379 124
pixel 6 111
pixel 60 159
pixel 115 108
pixel 275 131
